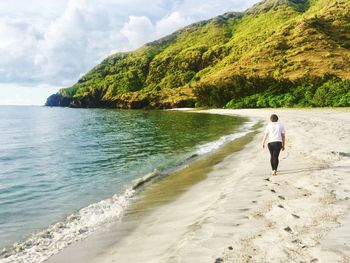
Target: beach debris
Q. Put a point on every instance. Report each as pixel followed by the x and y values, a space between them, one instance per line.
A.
pixel 230 248
pixel 219 260
pixel 281 197
pixel 281 206
pixel 267 179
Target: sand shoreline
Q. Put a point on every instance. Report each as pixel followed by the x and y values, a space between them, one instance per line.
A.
pixel 242 214
pixel 308 204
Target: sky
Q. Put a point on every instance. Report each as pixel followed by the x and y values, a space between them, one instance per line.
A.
pixel 46 45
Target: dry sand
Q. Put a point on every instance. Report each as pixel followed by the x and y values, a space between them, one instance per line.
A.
pixel 240 213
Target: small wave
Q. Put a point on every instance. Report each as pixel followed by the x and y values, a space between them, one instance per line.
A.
pixel 212 146
pixel 145 179
pixel 201 150
pixel 77 226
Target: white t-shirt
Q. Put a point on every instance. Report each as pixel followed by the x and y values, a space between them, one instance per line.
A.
pixel 275 131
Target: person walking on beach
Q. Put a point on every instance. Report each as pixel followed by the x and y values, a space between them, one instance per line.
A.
pixel 276 135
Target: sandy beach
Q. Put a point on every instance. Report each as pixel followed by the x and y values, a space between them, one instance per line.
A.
pixel 239 212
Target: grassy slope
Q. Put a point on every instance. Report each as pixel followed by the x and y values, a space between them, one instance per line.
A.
pixel 284 39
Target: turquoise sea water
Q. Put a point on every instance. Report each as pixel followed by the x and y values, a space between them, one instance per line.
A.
pixel 55 161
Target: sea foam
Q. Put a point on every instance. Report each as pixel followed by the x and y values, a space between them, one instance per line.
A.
pixel 75 227
pixel 212 146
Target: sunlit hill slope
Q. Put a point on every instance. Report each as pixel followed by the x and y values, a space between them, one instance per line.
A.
pixel 288 43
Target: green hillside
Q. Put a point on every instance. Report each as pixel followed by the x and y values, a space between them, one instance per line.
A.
pixel 297 49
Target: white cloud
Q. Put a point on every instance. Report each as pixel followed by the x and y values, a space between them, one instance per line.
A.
pixel 17 49
pixel 54 42
pixel 172 22
pixel 138 30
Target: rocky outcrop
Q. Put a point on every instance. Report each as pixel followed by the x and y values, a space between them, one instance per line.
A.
pixel 58 100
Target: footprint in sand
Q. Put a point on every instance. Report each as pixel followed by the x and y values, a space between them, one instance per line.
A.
pixel 281 197
pixel 288 229
pixel 273 191
pixel 281 206
pixel 219 260
pixel 295 216
pixel 297 241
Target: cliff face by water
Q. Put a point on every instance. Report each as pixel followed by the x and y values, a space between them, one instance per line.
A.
pixel 275 39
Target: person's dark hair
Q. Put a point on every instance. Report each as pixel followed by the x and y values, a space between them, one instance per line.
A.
pixel 274 118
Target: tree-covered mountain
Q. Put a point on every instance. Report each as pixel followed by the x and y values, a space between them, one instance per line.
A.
pixel 275 48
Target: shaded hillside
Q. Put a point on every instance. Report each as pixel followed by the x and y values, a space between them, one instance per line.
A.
pixel 279 39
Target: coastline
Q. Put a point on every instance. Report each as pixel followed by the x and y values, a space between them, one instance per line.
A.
pixel 77 224
pixel 239 213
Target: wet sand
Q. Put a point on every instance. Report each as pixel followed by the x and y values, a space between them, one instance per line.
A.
pixel 229 208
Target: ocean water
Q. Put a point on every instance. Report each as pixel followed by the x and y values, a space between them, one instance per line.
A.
pixel 65 172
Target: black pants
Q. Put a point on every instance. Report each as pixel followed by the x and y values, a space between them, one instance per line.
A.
pixel 275 149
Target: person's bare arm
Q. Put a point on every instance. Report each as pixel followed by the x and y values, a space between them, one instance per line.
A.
pixel 264 140
pixel 283 141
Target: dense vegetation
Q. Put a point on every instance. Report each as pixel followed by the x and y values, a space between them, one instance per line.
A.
pixel 279 53
pixel 261 92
